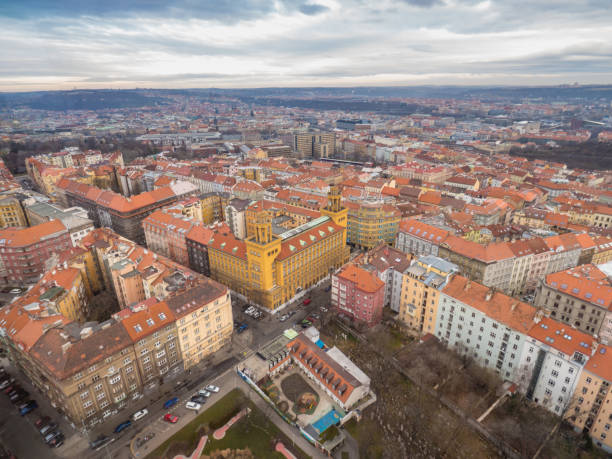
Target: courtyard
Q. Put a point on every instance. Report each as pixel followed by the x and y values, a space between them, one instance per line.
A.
pixel 305 400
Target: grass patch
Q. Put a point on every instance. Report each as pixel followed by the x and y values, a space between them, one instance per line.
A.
pixel 329 434
pixel 254 432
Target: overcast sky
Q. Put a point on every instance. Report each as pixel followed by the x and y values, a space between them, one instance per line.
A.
pixel 64 44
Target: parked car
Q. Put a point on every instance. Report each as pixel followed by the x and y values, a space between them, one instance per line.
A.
pixel 19 396
pixel 236 324
pixel 42 421
pixel 283 317
pixel 51 435
pixel 328 288
pixel 171 418
pixel 211 388
pixel 15 290
pixel 124 425
pixel 204 393
pixel 140 414
pixel 46 429
pixel 10 388
pixel 100 442
pixel 242 328
pixel 306 302
pixel 193 406
pixel 57 441
pixel 323 309
pixel 30 406
pixel 198 399
pixel 7 382
pixel 173 401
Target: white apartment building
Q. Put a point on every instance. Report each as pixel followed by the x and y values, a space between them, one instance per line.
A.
pixel 488 326
pixel 552 359
pixel 419 238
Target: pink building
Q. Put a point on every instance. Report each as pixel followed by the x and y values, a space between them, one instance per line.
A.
pixel 359 294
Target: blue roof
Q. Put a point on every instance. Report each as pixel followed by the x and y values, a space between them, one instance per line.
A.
pixel 320 343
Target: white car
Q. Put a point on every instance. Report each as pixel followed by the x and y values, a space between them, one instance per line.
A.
pixel 15 290
pixel 140 414
pixel 193 406
pixel 204 392
pixel 212 388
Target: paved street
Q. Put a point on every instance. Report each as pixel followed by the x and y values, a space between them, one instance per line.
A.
pixel 23 440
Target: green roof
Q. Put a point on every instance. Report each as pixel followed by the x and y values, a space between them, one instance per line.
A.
pixel 53 292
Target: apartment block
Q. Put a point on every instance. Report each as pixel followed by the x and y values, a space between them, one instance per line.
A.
pixel 590 410
pixel 358 294
pixel 23 252
pixel 580 297
pixel 416 291
pixel 369 224
pixel 552 360
pixel 419 238
pixel 486 325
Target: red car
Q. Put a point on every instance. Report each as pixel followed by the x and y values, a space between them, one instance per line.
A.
pixel 171 418
pixel 307 301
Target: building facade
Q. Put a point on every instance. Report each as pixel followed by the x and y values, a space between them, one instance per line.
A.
pixel 358 294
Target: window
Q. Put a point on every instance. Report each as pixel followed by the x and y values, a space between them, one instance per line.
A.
pixel 98 387
pixel 101 395
pixel 84 395
pixel 115 379
pixel 87 404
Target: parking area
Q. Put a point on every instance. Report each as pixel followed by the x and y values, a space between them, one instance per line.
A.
pixel 19 432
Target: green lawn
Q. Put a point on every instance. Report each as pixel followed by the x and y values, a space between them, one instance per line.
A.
pixel 255 432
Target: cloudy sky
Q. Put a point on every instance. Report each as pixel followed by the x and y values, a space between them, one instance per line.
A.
pixel 64 44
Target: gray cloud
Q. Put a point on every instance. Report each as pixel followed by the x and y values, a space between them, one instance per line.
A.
pixel 312 8
pixel 293 42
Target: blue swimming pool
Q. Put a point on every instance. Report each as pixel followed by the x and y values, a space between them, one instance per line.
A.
pixel 326 421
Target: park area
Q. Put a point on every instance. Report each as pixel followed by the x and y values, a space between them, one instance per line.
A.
pixel 251 435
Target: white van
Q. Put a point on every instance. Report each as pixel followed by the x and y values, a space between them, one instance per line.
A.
pixel 140 414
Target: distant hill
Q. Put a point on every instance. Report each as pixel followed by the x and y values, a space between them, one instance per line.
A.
pixel 80 100
pixel 375 99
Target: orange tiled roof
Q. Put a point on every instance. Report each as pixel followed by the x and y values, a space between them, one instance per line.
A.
pixel 145 318
pixel 303 240
pixel 502 308
pixel 365 281
pixel 27 236
pixel 562 337
pixel 586 282
pixel 600 363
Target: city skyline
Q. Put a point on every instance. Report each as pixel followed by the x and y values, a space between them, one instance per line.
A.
pixel 302 43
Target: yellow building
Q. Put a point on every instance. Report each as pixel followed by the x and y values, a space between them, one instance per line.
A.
pixel 203 319
pixel 11 213
pixel 67 290
pixel 251 173
pixel 590 409
pixel 270 267
pixel 212 205
pixel 369 224
pixel 420 290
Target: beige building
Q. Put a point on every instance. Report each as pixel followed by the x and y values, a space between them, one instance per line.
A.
pixel 419 287
pixel 580 297
pixel 203 319
pixel 315 144
pixel 152 328
pixel 591 407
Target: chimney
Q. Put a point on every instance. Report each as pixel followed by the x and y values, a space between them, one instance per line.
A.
pixel 513 306
pixel 489 295
pixel 66 346
pixel 468 284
